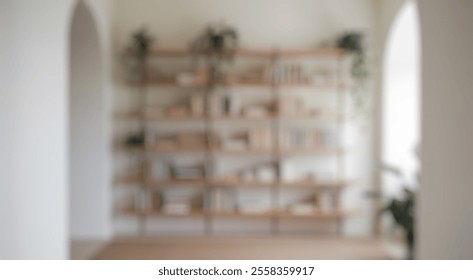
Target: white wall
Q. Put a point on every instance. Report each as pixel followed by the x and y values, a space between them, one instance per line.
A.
pixel 266 23
pixel 445 211
pixel 261 24
pixel 89 127
pixel 34 49
pixel 401 96
pixel 34 122
pixel 385 12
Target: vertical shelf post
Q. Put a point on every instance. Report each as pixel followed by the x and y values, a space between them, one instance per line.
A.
pixel 340 128
pixel 275 123
pixel 144 191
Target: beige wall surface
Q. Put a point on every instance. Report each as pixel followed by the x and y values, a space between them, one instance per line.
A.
pixel 445 211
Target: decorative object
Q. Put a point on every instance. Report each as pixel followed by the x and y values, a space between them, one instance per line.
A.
pixel 218 43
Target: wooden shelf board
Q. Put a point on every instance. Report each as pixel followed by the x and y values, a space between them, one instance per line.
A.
pixel 317 215
pixel 154 82
pixel 202 150
pixel 264 53
pixel 272 214
pixel 294 152
pixel 187 183
pixel 331 86
pixel 332 52
pixel 242 215
pixel 192 214
pixel 282 185
pixel 285 214
pixel 232 184
pixel 286 152
pixel 191 118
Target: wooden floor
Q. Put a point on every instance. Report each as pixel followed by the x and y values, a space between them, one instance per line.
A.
pixel 249 248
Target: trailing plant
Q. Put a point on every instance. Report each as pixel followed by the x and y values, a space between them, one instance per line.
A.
pixel 217 44
pixel 354 44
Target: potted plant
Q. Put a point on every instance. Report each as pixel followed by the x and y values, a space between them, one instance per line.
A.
pixel 137 54
pixel 217 43
pixel 402 209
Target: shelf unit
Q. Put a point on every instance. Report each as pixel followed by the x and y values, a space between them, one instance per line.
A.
pixel 147 185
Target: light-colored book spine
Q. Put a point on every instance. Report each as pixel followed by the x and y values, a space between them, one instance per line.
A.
pixel 215 105
pixel 197 105
pixel 327 202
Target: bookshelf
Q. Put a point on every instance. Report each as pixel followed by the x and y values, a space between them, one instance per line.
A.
pixel 273 122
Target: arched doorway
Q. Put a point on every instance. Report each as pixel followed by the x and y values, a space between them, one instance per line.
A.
pixel 401 103
pixel 87 131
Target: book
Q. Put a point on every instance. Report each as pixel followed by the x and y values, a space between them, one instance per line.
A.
pixel 304 208
pixel 176 208
pixel 197 105
pixel 215 105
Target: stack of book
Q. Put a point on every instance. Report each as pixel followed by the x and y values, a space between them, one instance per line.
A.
pixel 220 201
pixel 197 105
pixel 303 208
pixel 187 172
pixel 223 105
pixel 286 106
pixel 296 73
pixel 260 139
pixel 285 73
pixel 299 138
pixel 176 207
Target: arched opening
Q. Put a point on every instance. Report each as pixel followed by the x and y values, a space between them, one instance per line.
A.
pixel 87 131
pixel 400 106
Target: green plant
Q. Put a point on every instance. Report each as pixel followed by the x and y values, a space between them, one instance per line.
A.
pixel 354 44
pixel 218 43
pixel 134 60
pixel 136 140
pixel 141 43
pixel 402 209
